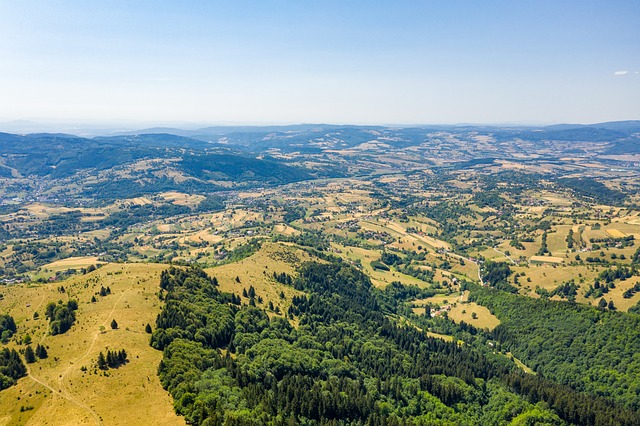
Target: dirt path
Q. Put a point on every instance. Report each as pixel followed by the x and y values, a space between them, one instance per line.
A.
pixel 39 304
pixel 67 396
pixel 468 260
pixel 97 333
pixel 505 255
pixel 64 391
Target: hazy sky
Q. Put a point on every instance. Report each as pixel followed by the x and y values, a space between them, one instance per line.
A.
pixel 338 61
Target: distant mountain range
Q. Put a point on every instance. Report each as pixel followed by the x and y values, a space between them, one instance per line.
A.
pixel 304 135
pixel 59 155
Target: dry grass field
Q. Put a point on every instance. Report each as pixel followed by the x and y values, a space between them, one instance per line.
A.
pixel 464 312
pixel 57 388
pixel 460 310
pixel 257 271
pixel 615 295
pixel 379 278
pixel 72 263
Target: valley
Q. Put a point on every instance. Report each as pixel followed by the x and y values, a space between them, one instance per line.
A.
pixel 439 232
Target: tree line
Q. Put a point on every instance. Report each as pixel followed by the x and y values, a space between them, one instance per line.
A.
pixel 347 362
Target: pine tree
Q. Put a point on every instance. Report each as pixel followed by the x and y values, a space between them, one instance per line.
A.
pixel 41 352
pixel 102 362
pixel 29 355
pixel 114 324
pixel 147 329
pixel 111 359
pixel 602 304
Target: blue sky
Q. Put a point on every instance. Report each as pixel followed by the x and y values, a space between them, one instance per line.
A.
pixel 361 62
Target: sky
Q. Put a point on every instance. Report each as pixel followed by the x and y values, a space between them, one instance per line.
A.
pixel 344 61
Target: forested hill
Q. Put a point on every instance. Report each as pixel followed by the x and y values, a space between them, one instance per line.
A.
pixel 129 166
pixel 587 348
pixel 345 363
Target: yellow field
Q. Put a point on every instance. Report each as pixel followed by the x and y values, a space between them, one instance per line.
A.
pixel 405 240
pixel 547 259
pixel 139 201
pixel 200 236
pixel 378 278
pixel 181 199
pixel 257 271
pixel 57 389
pixel 285 229
pixel 439 299
pixel 485 319
pixel 72 263
pixel 615 294
pixel 615 233
pixel 458 304
pixel 549 277
pixel 41 211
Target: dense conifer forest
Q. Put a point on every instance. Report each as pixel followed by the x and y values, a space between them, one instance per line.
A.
pixel 346 362
pixel 590 349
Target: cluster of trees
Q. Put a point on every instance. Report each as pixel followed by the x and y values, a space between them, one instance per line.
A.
pixel 592 189
pixel 283 278
pixel 543 245
pixel 238 168
pixel 419 273
pixel 620 273
pixel 581 346
pixel 452 216
pixel 314 239
pixel 11 367
pixel 628 241
pixel 112 359
pixel 211 203
pixel 570 239
pixel 628 293
pixel 397 291
pixel 244 250
pixel 7 327
pixel 294 213
pixel 346 363
pixel 376 264
pixel 390 259
pixel 495 274
pixel 30 355
pixel 490 199
pixel 194 309
pixel 61 316
pixel 567 290
pixel 597 289
pixel 114 189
